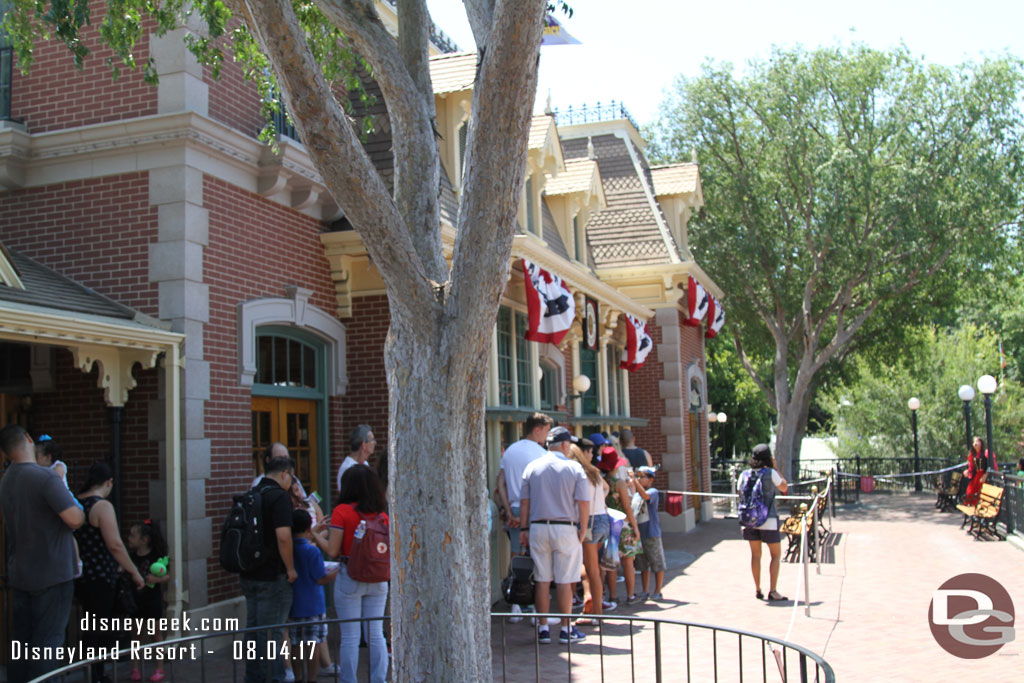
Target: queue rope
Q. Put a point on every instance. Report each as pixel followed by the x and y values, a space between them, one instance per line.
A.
pixel 906 474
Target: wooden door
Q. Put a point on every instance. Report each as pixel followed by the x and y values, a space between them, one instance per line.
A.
pixel 292 421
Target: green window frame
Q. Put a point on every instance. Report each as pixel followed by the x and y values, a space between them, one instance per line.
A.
pixel 588 367
pixel 515 364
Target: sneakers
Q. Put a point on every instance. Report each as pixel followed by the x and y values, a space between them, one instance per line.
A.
pixel 656 596
pixel 635 598
pixel 289 675
pixel 571 635
pixel 331 670
pixel 608 605
pixel 543 636
pixel 158 676
pixel 516 609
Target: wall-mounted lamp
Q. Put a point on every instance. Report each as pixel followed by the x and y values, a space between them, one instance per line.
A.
pixel 581 384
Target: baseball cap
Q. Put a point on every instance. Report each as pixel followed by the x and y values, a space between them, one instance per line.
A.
pixel 598 439
pixel 648 470
pixel 586 444
pixel 560 434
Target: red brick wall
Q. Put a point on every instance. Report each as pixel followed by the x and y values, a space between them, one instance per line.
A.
pixel 78 419
pixel 366 401
pixel 56 95
pixel 96 232
pixel 692 344
pixel 645 401
pixel 234 101
pixel 256 249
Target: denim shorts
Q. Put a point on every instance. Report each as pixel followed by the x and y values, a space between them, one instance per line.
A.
pixel 598 528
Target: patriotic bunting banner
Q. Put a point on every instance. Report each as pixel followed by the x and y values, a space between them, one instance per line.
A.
pixel 716 318
pixel 550 304
pixel 638 344
pixel 698 301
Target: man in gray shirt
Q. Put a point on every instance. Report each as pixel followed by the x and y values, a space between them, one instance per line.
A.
pixel 555 498
pixel 39 514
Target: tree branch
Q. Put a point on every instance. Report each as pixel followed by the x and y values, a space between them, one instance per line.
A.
pixel 333 145
pixel 480 14
pixel 404 77
pixel 496 156
pixel 749 367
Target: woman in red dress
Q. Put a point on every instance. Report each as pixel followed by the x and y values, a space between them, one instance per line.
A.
pixel 979 461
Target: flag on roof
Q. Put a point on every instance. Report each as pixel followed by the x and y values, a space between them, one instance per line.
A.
pixel 555 33
pixel 550 304
pixel 697 302
pixel 638 344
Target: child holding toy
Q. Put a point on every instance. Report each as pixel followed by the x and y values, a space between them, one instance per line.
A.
pixel 148 550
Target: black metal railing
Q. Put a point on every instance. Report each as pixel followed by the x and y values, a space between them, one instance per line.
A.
pixel 593 114
pixel 282 125
pixel 702 651
pixel 883 470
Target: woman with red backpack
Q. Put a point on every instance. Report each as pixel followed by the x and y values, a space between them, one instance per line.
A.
pixel 359 535
pixel 765 528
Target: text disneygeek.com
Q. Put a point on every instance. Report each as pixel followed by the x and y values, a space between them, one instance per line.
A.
pixel 128 627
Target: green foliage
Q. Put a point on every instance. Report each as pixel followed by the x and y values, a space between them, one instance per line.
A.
pixel 872 415
pixel 868 181
pixel 125 23
pixel 730 390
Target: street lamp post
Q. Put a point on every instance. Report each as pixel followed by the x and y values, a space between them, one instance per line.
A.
pixel 966 395
pixel 987 386
pixel 914 404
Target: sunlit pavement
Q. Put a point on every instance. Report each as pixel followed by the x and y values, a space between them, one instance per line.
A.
pixel 869 611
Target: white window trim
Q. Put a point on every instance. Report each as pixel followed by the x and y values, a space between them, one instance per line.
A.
pixel 294 311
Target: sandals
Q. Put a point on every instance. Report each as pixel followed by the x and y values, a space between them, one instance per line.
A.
pixel 759 595
pixel 776 596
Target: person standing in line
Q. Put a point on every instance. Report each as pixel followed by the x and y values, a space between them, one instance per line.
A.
pixel 762 465
pixel 652 559
pixel 40 515
pixel 554 511
pixel 598 528
pixel 103 557
pixel 267 588
pixel 362 443
pixel 637 457
pixel 510 479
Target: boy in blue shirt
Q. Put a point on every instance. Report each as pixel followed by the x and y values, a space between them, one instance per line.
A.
pixel 653 556
pixel 308 604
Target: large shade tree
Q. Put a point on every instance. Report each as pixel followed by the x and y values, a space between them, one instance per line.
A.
pixel 436 352
pixel 841 184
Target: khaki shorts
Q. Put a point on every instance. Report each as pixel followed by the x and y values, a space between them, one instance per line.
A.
pixel 556 551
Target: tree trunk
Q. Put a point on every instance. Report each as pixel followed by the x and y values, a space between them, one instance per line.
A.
pixel 437 382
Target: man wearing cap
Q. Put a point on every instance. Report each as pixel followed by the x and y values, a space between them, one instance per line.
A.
pixel 510 473
pixel 553 501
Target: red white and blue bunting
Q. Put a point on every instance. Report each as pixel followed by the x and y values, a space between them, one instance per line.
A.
pixel 698 301
pixel 550 304
pixel 638 344
pixel 716 317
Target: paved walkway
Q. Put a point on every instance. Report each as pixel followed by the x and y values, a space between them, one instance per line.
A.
pixel 869 615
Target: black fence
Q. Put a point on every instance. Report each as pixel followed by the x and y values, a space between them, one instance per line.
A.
pixel 887 474
pixel 658 650
pixel 1011 510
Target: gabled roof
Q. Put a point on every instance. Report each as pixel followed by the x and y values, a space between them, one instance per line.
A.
pixel 453 72
pixel 580 176
pixel 674 179
pixel 544 147
pixel 631 230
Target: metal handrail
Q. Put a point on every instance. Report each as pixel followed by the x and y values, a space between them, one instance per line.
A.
pixel 786 655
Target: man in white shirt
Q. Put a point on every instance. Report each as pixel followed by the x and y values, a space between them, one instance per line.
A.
pixel 510 473
pixel 362 443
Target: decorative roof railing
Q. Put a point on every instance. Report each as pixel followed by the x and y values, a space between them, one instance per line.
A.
pixel 593 114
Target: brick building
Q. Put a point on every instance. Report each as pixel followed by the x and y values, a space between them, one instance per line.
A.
pixel 162 205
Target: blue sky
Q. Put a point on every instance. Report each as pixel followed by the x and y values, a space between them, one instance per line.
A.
pixel 632 51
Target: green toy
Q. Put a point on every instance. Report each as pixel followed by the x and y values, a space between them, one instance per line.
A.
pixel 158 568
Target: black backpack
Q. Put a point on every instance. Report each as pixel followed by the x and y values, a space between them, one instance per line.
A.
pixel 241 538
pixel 517 588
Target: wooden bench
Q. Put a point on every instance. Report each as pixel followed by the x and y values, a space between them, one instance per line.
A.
pixel 949 494
pixel 793 529
pixel 983 516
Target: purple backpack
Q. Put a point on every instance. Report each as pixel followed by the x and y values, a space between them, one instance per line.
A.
pixel 753 509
